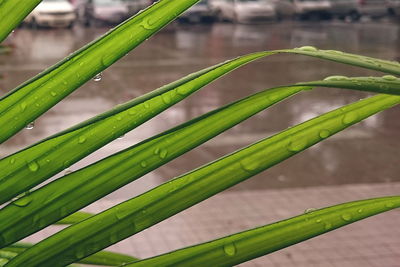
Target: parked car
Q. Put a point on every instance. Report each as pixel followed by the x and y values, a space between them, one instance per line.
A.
pixel 202 11
pixel 248 10
pixel 93 12
pixel 355 9
pixel 52 13
pixel 312 9
pixel 393 7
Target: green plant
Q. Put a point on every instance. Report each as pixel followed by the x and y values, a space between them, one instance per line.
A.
pixel 60 201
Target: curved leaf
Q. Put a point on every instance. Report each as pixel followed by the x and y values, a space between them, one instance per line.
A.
pixel 104 258
pixel 132 216
pixel 392 67
pixel 12 12
pixel 244 246
pixel 78 189
pixel 33 165
pixel 34 97
pixel 75 218
pixel 387 84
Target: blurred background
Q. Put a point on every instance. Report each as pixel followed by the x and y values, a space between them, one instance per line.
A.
pixel 361 162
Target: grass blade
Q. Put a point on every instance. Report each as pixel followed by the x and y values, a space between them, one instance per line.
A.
pixel 31 99
pixel 75 218
pixel 386 66
pixel 139 213
pixel 244 246
pixel 12 13
pixel 104 258
pixel 48 157
pixel 78 189
pixel 387 84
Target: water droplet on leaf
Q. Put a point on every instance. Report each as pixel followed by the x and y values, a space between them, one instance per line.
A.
pixel 33 166
pixel 230 249
pixel 308 48
pixel 347 217
pixel 30 126
pixel 350 117
pixel 98 77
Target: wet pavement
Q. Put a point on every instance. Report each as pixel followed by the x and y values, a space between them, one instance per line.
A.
pixel 363 156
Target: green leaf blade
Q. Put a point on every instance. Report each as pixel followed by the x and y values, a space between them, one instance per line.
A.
pixel 244 246
pixel 12 13
pixel 141 212
pixel 392 67
pixel 104 258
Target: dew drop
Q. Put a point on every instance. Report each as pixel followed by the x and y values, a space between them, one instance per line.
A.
pixel 360 210
pixel 146 105
pixel 12 161
pixel 249 165
pixel 309 210
pixel 389 205
pixel 23 106
pixel 147 24
pixel 308 48
pixel 33 166
pixel 166 99
pixel 297 145
pixel 30 126
pixel 143 164
pixel 389 78
pixel 336 78
pixel 347 217
pixel 163 153
pixel 350 118
pixel 118 118
pixel 318 220
pixel 157 151
pixel 324 134
pixel 230 249
pixel 23 201
pixel 132 112
pixel 328 226
pixel 98 77
pixel 67 171
pixel 82 139
pixel 121 137
pixel 121 213
pixel 53 93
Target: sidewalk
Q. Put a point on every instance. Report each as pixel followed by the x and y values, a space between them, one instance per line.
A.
pixel 374 242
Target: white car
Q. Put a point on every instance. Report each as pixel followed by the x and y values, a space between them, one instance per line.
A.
pixel 244 10
pixel 52 13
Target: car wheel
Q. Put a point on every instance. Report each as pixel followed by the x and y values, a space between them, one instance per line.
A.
pixel 354 16
pixel 33 24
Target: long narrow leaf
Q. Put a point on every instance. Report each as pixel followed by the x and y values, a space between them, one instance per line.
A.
pixel 78 189
pixel 387 84
pixel 104 258
pixel 244 246
pixel 12 12
pixel 31 99
pixel 75 218
pixel 392 67
pixel 29 167
pixel 132 216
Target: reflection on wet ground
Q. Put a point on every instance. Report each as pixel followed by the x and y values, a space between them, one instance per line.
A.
pixel 367 152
